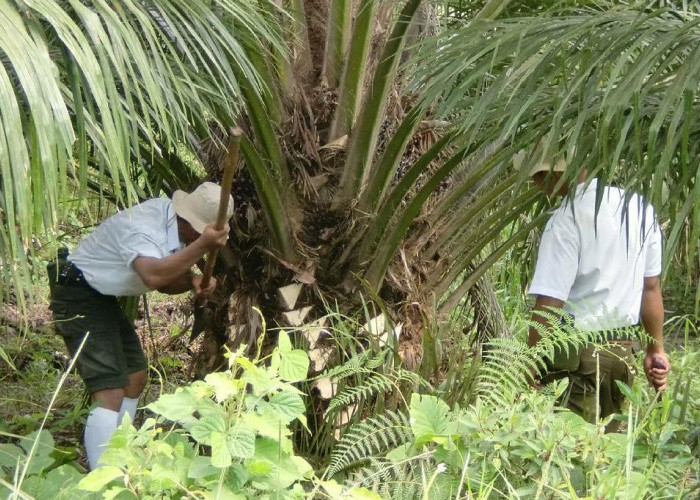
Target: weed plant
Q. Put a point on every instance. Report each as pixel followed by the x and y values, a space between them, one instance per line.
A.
pixel 232 436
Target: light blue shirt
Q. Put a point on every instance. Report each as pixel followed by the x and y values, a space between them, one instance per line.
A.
pixel 105 257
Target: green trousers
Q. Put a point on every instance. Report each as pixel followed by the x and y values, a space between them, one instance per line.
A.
pixel 592 386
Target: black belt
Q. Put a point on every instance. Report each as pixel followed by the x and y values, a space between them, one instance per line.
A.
pixel 65 273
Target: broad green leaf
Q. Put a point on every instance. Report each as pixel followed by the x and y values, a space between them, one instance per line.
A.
pixel 10 454
pixel 266 424
pixel 284 470
pixel 170 474
pixel 59 484
pixel 181 444
pixel 428 417
pixel 262 380
pixel 224 385
pixel 333 489
pixel 304 468
pixel 205 426
pixel 401 452
pixel 287 405
pixel 222 492
pixel 44 442
pixel 118 492
pixel 285 345
pixel 294 365
pixel 259 467
pixel 236 477
pixel 99 478
pixel 241 441
pixel 39 464
pixel 220 454
pixel 631 395
pixel 201 467
pixel 177 407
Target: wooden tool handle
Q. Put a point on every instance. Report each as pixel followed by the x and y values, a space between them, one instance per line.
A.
pixel 229 170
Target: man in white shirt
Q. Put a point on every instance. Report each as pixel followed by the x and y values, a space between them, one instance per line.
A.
pixel 603 268
pixel 150 246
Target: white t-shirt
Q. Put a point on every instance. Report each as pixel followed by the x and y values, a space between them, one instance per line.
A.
pixel 148 229
pixel 597 265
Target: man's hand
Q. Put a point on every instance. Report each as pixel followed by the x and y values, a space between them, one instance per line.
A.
pixel 532 377
pixel 656 368
pixel 197 286
pixel 212 238
pixel 656 365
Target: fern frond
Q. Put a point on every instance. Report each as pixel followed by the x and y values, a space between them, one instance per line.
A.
pixel 390 480
pixel 508 362
pixel 362 363
pixel 370 438
pixel 374 384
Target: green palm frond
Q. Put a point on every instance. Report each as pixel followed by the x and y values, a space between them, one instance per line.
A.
pixel 365 134
pixel 88 85
pixel 619 90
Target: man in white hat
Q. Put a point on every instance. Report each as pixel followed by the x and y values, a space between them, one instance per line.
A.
pixel 602 266
pixel 150 246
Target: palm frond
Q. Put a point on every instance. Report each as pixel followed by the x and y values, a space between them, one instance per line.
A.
pixel 365 134
pixel 619 89
pixel 97 81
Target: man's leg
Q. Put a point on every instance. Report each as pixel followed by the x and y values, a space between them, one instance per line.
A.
pixel 582 390
pixel 619 366
pixel 104 420
pixel 101 423
pixel 137 365
pixel 130 402
pixel 101 363
pixel 594 389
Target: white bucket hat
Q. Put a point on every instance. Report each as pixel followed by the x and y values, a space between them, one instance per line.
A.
pixel 545 166
pixel 200 207
pixel 540 166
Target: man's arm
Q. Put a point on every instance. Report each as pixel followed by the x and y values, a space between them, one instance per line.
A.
pixel 159 273
pixel 656 364
pixel 542 304
pixel 546 304
pixel 179 285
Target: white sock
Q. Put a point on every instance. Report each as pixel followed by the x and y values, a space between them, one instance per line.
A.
pixel 129 406
pixel 101 424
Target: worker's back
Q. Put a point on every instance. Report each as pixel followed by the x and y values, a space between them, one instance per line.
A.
pixel 596 258
pixel 105 256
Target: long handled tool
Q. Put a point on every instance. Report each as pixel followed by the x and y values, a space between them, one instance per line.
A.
pixel 200 315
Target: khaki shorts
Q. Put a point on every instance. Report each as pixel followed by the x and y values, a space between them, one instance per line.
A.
pixel 112 351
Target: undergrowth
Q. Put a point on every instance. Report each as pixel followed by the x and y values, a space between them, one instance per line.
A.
pixel 235 435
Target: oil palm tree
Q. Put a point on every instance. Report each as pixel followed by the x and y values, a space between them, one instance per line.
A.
pixel 376 167
pixel 406 198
